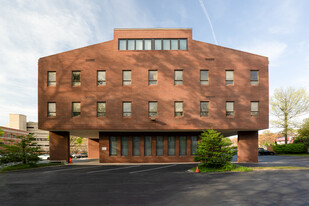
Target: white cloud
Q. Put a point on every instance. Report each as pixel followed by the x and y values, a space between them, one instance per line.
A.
pixel 271 49
pixel 33 29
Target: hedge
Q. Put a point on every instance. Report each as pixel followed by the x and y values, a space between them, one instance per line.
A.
pixel 295 148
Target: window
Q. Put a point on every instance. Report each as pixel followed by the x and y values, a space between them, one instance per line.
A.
pixel 51 78
pixel 51 109
pixel 126 77
pixel 75 109
pixel 254 77
pixel 122 44
pixel 112 146
pixel 158 44
pixel 147 44
pixel 76 78
pixel 101 109
pixel 159 146
pixel 153 77
pixel 254 108
pixel 101 78
pixel 131 44
pixel 148 145
pixel 178 77
pixel 204 77
pixel 136 146
pixel 182 146
pixel 126 109
pixel 166 44
pixel 124 146
pixel 178 109
pixel 171 146
pixel 229 77
pixel 204 109
pixel 139 44
pixel 229 108
pixel 152 109
pixel 174 44
pixel 183 44
pixel 194 142
pixel 8 135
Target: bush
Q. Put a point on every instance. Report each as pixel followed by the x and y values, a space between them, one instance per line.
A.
pixel 212 150
pixel 294 148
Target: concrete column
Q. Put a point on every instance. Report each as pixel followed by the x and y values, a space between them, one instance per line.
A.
pixel 247 146
pixel 93 148
pixel 59 145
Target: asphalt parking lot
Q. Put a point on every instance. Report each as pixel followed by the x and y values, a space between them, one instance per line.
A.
pixel 167 184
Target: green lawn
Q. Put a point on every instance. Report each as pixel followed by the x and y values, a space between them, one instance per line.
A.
pixel 28 166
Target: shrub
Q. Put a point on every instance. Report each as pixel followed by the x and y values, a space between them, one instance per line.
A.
pixel 212 150
pixel 295 148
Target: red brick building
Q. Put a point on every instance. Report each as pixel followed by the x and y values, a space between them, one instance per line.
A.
pixel 146 95
pixel 11 135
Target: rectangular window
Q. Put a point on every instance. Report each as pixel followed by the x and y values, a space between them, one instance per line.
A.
pixel 182 146
pixel 147 44
pixel 124 146
pixel 254 108
pixel 148 145
pixel 139 44
pixel 152 109
pixel 126 77
pixel 75 109
pixel 158 44
pixel 159 146
pixel 122 44
pixel 76 78
pixel 204 109
pixel 51 78
pixel 51 109
pixel 166 44
pixel 183 44
pixel 153 77
pixel 229 77
pixel 178 109
pixel 194 142
pixel 136 146
pixel 229 108
pixel 178 77
pixel 171 146
pixel 126 109
pixel 204 77
pixel 254 77
pixel 174 44
pixel 131 44
pixel 112 146
pixel 101 78
pixel 101 109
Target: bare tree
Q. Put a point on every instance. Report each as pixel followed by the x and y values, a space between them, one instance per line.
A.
pixel 286 106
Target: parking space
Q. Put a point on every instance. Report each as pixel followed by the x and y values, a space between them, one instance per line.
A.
pixel 160 184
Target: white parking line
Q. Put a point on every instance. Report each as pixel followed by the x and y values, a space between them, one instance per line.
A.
pixel 80 168
pixel 157 168
pixel 119 168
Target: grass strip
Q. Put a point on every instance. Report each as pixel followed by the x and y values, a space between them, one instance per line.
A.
pixel 227 168
pixel 28 166
pixel 280 168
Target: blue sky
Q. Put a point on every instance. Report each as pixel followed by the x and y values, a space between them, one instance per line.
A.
pixel 32 29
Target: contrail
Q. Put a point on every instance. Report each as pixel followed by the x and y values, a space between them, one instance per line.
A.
pixel 206 14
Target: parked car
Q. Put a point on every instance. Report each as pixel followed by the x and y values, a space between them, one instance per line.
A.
pixel 44 157
pixel 84 155
pixel 75 155
pixel 263 151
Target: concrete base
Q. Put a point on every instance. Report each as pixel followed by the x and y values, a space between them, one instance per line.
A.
pixel 247 146
pixel 93 148
pixel 59 145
